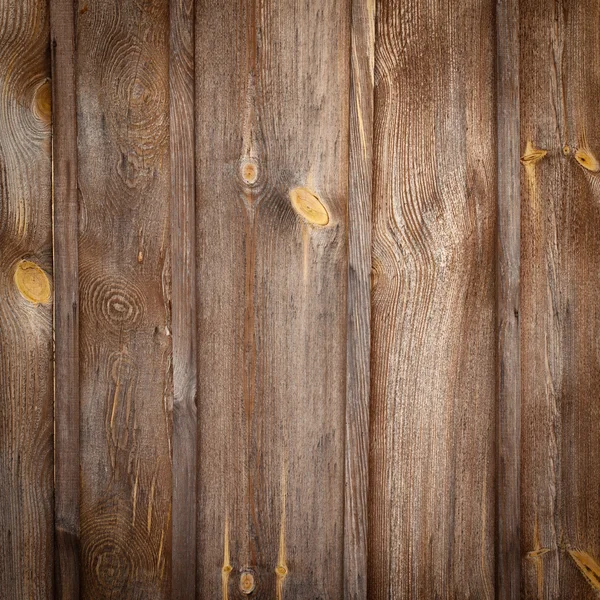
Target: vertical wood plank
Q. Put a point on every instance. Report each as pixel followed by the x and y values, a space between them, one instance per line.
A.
pixel 124 268
pixel 181 77
pixel 432 493
pixel 359 298
pixel 272 189
pixel 508 302
pixel 26 375
pixel 66 301
pixel 560 146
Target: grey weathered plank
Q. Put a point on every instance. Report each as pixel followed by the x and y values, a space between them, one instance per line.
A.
pixel 359 298
pixel 271 211
pixel 560 320
pixel 183 298
pixel 124 284
pixel 508 302
pixel 66 303
pixel 433 404
pixel 26 465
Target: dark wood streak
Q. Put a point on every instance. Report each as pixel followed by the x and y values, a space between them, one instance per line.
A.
pixel 359 299
pixel 183 224
pixel 508 301
pixel 26 382
pixel 66 302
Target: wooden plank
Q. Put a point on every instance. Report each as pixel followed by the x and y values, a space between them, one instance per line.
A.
pixel 124 268
pixel 560 144
pixel 183 223
pixel 362 64
pixel 66 304
pixel 272 184
pixel 433 359
pixel 26 376
pixel 508 302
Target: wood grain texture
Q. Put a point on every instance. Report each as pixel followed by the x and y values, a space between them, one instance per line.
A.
pixel 66 305
pixel 560 320
pixel 183 223
pixel 508 302
pixel 362 63
pixel 124 268
pixel 26 372
pixel 272 187
pixel 432 493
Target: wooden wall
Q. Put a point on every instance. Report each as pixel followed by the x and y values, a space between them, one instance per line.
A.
pixel 299 299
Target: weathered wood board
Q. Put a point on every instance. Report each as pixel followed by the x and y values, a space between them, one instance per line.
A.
pixel 271 206
pixel 125 289
pixel 433 359
pixel 26 378
pixel 560 279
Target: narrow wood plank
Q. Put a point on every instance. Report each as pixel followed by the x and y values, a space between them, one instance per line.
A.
pixel 560 145
pixel 272 187
pixel 183 223
pixel 359 298
pixel 66 302
pixel 508 299
pixel 26 375
pixel 432 493
pixel 124 256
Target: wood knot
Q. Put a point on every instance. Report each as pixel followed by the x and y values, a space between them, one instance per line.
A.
pixel 42 102
pixel 281 571
pixel 532 155
pixel 32 282
pixel 249 171
pixel 247 583
pixel 587 160
pixel 308 205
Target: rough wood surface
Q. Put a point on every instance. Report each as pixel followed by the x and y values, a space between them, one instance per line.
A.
pixel 272 192
pixel 183 298
pixel 362 62
pixel 66 305
pixel 508 302
pixel 560 146
pixel 125 338
pixel 26 465
pixel 432 493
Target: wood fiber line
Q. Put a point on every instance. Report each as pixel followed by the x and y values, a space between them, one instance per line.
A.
pixel 125 296
pixel 26 374
pixel 508 302
pixel 271 211
pixel 66 304
pixel 359 298
pixel 432 458
pixel 560 278
pixel 183 299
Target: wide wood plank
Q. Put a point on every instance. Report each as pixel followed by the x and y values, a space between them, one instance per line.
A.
pixel 560 146
pixel 362 64
pixel 66 311
pixel 432 494
pixel 272 190
pixel 508 302
pixel 26 374
pixel 183 225
pixel 124 267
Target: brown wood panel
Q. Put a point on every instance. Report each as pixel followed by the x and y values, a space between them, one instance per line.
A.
pixel 508 302
pixel 362 63
pixel 26 373
pixel 124 268
pixel 432 492
pixel 183 224
pixel 66 304
pixel 560 146
pixel 272 192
